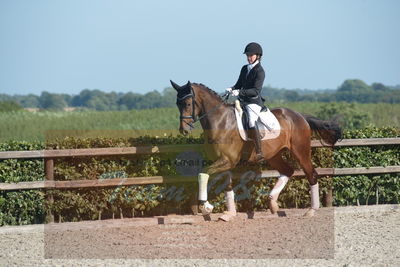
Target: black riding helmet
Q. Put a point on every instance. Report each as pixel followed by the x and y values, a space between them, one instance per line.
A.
pixel 253 48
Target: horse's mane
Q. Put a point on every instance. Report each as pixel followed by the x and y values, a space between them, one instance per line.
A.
pixel 204 87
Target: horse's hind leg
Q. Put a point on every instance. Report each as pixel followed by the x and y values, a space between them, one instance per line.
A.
pixel 302 152
pixel 285 171
pixel 229 202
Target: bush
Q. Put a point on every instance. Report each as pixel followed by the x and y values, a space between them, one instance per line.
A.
pixel 7 106
pixel 347 114
pixel 21 207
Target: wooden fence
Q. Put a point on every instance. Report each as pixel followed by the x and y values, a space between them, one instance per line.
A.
pixel 50 155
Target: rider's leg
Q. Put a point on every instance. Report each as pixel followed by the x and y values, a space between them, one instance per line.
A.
pixel 254 112
pixel 254 133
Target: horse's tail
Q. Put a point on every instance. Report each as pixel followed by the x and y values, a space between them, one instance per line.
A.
pixel 328 131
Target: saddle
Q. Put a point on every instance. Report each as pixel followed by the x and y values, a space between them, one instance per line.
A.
pixel 267 123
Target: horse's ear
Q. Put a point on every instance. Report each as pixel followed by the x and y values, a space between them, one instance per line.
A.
pixel 189 84
pixel 175 86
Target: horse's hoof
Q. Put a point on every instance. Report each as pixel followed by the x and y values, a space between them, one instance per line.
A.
pixel 206 208
pixel 227 216
pixel 273 206
pixel 310 213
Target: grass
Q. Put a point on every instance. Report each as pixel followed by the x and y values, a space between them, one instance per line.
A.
pixel 36 126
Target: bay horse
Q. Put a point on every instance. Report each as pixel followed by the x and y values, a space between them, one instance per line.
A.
pixel 196 102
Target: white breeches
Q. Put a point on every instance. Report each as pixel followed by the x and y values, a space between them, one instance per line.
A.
pixel 254 112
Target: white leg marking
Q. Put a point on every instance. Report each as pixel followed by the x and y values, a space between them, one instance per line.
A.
pixel 203 181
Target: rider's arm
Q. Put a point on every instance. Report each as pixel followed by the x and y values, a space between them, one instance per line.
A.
pixel 239 84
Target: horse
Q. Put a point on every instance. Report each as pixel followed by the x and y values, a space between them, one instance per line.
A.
pixel 196 102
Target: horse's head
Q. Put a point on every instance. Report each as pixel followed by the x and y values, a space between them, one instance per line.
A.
pixel 185 100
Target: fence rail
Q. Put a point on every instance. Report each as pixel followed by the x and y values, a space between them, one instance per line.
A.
pixel 73 184
pixel 115 151
pixel 84 152
pixel 50 155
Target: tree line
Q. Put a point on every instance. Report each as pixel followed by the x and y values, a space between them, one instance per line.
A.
pixel 352 90
pixel 90 99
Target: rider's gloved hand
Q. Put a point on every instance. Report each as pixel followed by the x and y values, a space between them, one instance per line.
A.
pixel 235 92
pixel 228 90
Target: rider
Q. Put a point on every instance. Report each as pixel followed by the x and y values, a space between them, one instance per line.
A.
pixel 248 88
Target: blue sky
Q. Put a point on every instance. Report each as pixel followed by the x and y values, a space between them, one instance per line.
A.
pixel 67 46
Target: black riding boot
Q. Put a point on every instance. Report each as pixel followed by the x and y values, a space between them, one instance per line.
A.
pixel 255 135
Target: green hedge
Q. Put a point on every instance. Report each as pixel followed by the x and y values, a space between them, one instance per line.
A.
pixel 22 207
pixel 26 207
pixel 368 189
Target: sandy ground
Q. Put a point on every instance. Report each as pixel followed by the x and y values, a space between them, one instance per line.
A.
pixel 349 236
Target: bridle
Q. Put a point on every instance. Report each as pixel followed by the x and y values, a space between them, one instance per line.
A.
pixel 193 115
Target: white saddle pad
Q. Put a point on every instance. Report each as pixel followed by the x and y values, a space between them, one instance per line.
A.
pixel 267 123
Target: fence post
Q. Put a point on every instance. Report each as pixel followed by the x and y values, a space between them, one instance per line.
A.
pixel 328 198
pixel 49 176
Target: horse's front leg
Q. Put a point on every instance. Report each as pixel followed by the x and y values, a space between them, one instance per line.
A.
pixel 222 164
